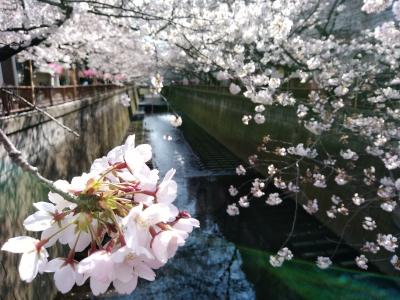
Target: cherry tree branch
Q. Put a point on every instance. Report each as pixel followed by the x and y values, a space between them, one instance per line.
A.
pixel 41 111
pixel 18 159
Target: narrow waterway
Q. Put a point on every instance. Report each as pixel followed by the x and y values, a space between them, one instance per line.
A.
pixel 227 258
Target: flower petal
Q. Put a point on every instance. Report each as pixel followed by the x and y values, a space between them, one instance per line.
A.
pixel 83 242
pixel 159 212
pixel 125 287
pixel 40 220
pixel 98 287
pixel 19 244
pixel 145 151
pixel 134 160
pixel 29 266
pixel 130 142
pixel 60 202
pixel 123 272
pixel 45 206
pixel 51 232
pixel 143 271
pixel 64 279
pixel 62 185
pixel 54 265
pixel 80 278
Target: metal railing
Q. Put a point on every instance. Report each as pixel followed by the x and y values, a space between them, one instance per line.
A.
pixel 43 96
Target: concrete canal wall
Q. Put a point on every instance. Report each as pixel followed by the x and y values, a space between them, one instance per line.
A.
pixel 102 123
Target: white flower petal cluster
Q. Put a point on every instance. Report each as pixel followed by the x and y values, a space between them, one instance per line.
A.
pixel 273 199
pixel 323 262
pixel 234 89
pixel 319 180
pixel 240 170
pixel 362 262
pixel 34 255
pixel 232 210
pixel 233 191
pixel 348 154
pixel 387 241
pixel 119 209
pixel 300 150
pixel 311 207
pixel 125 100
pixel 257 188
pixel 375 6
pixel 157 83
pixel 357 199
pixel 283 255
pixel 246 119
pixel 175 120
pixel 244 202
pixel 259 119
pixel 370 247
pixel 395 262
pixel 369 224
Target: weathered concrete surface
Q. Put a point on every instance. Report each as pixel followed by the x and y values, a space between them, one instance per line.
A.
pixel 102 124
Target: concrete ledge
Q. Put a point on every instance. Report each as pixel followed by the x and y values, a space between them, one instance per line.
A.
pixel 21 121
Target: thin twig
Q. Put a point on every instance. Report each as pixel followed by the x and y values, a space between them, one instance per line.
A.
pixel 41 111
pixel 169 106
pixel 295 210
pixel 18 159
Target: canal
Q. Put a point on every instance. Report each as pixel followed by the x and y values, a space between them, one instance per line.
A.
pixel 227 258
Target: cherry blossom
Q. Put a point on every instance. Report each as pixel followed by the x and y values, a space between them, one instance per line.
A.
pixel 361 262
pixel 369 224
pixel 387 241
pixel 273 199
pixel 282 255
pixel 65 273
pixel 121 236
pixel 166 243
pixel 370 247
pixel 34 255
pixel 323 262
pixel 233 191
pixel 395 262
pixel 240 170
pixel 232 210
pixel 311 207
pixel 125 100
pixel 175 121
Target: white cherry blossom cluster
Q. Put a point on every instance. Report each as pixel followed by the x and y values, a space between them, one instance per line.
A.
pixel 121 218
pixel 283 255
